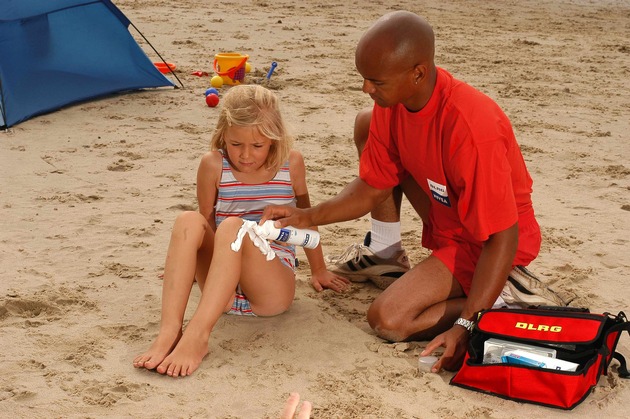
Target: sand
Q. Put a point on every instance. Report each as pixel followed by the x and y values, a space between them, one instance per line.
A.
pixel 89 193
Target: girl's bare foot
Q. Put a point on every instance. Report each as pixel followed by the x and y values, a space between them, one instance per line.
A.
pixel 186 357
pixel 161 347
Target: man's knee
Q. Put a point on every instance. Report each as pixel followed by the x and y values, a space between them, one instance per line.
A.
pixel 385 324
pixel 362 128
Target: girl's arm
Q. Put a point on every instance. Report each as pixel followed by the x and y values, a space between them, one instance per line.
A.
pixel 320 277
pixel 208 178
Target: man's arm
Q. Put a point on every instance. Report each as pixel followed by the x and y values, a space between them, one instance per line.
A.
pixel 354 201
pixel 491 272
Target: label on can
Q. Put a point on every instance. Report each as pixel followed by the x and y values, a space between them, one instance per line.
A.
pixel 284 235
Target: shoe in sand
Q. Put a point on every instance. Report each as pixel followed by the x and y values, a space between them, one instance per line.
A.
pixel 359 264
pixel 524 289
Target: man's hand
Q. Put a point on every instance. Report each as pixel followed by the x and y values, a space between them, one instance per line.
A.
pixel 286 216
pixel 455 343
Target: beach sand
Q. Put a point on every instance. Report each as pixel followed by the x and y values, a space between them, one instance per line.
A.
pixel 89 194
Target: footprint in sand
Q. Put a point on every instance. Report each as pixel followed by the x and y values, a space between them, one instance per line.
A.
pixel 120 166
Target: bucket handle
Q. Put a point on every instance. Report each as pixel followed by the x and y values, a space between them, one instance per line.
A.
pixel 231 72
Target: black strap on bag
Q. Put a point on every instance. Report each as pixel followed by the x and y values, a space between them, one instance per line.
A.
pixel 623 324
pixel 623 369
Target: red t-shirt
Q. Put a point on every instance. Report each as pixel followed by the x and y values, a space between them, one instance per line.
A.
pixel 461 150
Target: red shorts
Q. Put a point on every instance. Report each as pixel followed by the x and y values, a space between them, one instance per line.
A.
pixel 461 257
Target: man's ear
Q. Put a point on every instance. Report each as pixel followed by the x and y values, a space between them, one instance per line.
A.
pixel 419 73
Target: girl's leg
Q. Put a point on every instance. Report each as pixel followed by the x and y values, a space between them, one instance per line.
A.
pixel 189 233
pixel 269 285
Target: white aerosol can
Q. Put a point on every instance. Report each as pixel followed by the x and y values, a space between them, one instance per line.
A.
pixel 290 235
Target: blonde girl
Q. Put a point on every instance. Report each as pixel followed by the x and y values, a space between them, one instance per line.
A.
pixel 251 165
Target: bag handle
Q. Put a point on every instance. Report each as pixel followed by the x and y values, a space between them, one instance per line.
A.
pixel 623 369
pixel 623 325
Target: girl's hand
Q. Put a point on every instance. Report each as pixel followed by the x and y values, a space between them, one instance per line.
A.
pixel 326 279
pixel 291 406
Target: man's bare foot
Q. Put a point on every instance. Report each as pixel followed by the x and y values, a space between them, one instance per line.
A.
pixel 186 357
pixel 161 347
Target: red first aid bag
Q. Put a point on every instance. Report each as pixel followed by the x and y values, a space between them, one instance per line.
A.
pixel 523 354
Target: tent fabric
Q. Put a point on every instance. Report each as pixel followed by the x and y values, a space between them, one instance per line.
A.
pixel 55 53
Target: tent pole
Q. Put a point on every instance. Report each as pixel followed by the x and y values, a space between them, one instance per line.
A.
pixel 3 109
pixel 156 51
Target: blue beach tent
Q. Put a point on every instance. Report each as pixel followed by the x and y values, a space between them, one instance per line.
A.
pixel 57 52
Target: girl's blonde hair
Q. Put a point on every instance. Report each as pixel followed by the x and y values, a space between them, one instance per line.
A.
pixel 253 105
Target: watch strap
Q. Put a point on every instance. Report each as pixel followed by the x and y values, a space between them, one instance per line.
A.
pixel 465 323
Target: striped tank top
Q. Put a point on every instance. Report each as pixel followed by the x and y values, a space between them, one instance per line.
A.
pixel 247 201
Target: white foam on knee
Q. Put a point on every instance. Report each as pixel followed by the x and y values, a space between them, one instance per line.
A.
pixel 253 230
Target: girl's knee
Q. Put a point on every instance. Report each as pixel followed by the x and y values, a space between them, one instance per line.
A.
pixel 230 224
pixel 190 225
pixel 190 218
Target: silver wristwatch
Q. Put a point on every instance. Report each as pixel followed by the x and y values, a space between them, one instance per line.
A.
pixel 466 324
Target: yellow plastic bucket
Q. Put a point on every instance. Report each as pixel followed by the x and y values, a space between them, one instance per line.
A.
pixel 230 66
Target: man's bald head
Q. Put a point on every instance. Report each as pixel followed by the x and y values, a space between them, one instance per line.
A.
pixel 399 37
pixel 395 59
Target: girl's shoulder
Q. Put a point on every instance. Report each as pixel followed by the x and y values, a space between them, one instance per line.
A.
pixel 295 157
pixel 211 162
pixel 212 157
pixel 297 168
